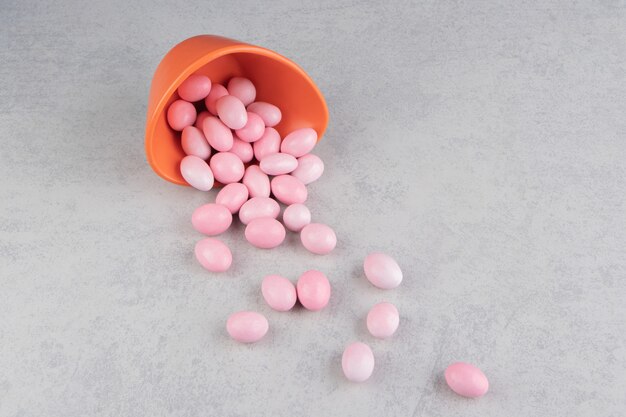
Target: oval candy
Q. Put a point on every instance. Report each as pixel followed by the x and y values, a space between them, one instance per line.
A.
pixel 299 142
pixel 211 219
pixel 296 216
pixel 288 190
pixel 226 167
pixel 382 271
pixel 270 114
pixel 313 290
pixel 268 144
pixel 247 326
pixel 318 238
pixel 213 255
pixel 310 168
pixel 279 293
pixel 194 143
pixel 257 181
pixel 196 172
pixel 195 88
pixel 265 232
pixel 357 362
pixel 231 112
pixel 217 134
pixel 232 196
pixel 466 380
pixel 258 207
pixel 217 91
pixel 243 89
pixel 181 114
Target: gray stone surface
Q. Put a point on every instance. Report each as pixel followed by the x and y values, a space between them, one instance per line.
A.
pixel 483 144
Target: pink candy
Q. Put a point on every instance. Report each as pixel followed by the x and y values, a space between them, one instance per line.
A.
pixel 288 189
pixel 231 112
pixel 382 271
pixel 217 91
pixel 318 238
pixel 243 150
pixel 258 207
pixel 270 114
pixel 466 380
pixel 278 164
pixel 265 232
pixel 195 88
pixel 213 255
pixel 194 143
pixel 299 142
pixel 357 362
pixel 217 134
pixel 243 89
pixel 296 216
pixel 211 219
pixel 253 129
pixel 267 145
pixel 181 114
pixel 278 292
pixel 313 290
pixel 247 326
pixel 310 168
pixel 383 320
pixel 232 196
pixel 226 167
pixel 197 173
pixel 257 181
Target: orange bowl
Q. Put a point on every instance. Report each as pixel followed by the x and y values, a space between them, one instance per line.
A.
pixel 277 79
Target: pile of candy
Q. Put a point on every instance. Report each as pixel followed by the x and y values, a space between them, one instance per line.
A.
pixel 230 138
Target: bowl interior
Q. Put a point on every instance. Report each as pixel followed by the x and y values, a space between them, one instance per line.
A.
pixel 278 82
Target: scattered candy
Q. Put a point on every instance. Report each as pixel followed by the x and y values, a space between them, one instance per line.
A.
pixel 196 172
pixel 218 134
pixel 382 271
pixel 226 167
pixel 217 91
pixel 318 238
pixel 232 112
pixel 383 320
pixel 265 232
pixel 200 119
pixel 267 145
pixel 299 142
pixel 296 216
pixel 213 255
pixel 278 292
pixel 270 114
pixel 257 181
pixel 247 326
pixel 313 290
pixel 258 207
pixel 466 380
pixel 310 168
pixel 357 362
pixel 181 114
pixel 278 164
pixel 243 89
pixel 195 88
pixel 194 143
pixel 288 190
pixel 211 219
pixel 232 196
pixel 253 130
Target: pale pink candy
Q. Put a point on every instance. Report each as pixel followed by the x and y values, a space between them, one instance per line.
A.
pixel 243 89
pixel 270 114
pixel 466 380
pixel 196 172
pixel 268 144
pixel 318 238
pixel 382 271
pixel 232 196
pixel 258 207
pixel 213 255
pixel 232 112
pixel 265 232
pixel 211 219
pixel 257 181
pixel 313 290
pixel 247 326
pixel 299 142
pixel 383 320
pixel 357 362
pixel 253 130
pixel 195 88
pixel 217 134
pixel 278 164
pixel 200 119
pixel 296 216
pixel 243 150
pixel 279 293
pixel 227 167
pixel 310 168
pixel 288 190
pixel 194 143
pixel 181 114
pixel 217 91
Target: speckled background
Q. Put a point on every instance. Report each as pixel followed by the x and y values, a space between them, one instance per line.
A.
pixel 483 144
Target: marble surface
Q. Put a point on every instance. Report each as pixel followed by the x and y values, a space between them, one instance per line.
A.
pixel 482 144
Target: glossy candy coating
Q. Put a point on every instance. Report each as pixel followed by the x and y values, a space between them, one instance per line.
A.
pixel 278 164
pixel 247 326
pixel 226 167
pixel 232 196
pixel 267 145
pixel 357 362
pixel 213 255
pixel 195 88
pixel 270 114
pixel 217 134
pixel 288 190
pixel 211 219
pixel 313 290
pixel 181 114
pixel 466 380
pixel 257 181
pixel 310 168
pixel 243 89
pixel 299 142
pixel 296 216
pixel 382 271
pixel 253 130
pixel 243 150
pixel 231 112
pixel 279 293
pixel 383 320
pixel 318 238
pixel 196 172
pixel 194 143
pixel 265 232
pixel 217 91
pixel 258 207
